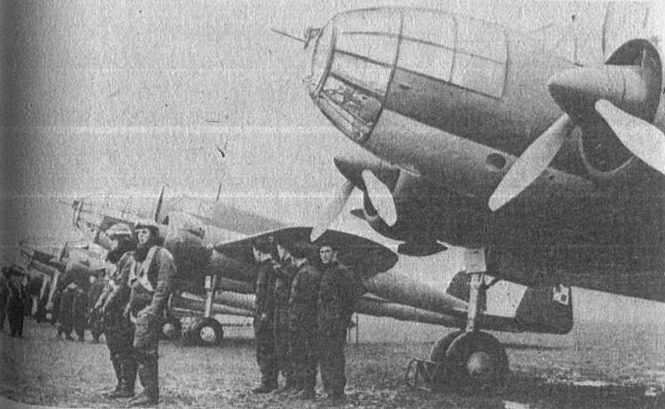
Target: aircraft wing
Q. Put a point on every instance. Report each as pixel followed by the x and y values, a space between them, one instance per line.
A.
pixel 241 221
pixel 391 290
pixel 364 256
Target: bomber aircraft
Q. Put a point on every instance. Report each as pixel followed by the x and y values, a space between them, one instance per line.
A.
pixel 44 267
pixel 217 273
pixel 547 171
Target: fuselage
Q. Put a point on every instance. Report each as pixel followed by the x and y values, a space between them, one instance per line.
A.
pixel 453 101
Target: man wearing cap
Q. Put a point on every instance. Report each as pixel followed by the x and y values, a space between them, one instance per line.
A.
pixel 264 310
pixel 302 315
pixel 338 292
pixel 4 292
pixel 118 331
pixel 15 308
pixel 284 273
pixel 152 274
pixel 73 302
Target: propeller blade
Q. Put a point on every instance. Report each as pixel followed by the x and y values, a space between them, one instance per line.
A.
pixel 333 210
pixel 642 138
pixel 381 197
pixel 158 208
pixel 532 163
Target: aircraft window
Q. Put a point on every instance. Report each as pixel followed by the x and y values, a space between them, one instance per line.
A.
pixel 427 59
pixel 320 57
pixel 384 21
pixel 379 48
pixel 429 26
pixel 481 39
pixel 356 102
pixel 372 77
pixel 479 74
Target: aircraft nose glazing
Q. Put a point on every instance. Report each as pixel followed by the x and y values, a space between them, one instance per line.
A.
pixel 352 64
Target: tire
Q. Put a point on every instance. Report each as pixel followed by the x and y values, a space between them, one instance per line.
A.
pixel 171 329
pixel 438 352
pixel 438 355
pixel 207 332
pixel 477 360
pixel 50 317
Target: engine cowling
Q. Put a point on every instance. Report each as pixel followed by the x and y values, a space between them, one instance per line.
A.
pixel 603 155
pixel 414 218
pixel 416 204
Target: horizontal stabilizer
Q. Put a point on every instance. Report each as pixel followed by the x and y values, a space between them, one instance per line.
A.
pixel 542 310
pixel 548 309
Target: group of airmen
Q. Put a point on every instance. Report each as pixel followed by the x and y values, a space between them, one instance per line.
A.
pixel 131 305
pixel 125 301
pixel 304 303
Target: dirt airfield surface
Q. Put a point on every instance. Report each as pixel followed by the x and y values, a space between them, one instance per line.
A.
pixel 596 366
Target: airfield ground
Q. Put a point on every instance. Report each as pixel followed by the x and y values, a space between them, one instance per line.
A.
pixel 596 366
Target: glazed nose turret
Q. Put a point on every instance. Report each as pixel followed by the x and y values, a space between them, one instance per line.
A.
pixel 352 61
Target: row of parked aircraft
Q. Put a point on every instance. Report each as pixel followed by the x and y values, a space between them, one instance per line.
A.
pixel 549 173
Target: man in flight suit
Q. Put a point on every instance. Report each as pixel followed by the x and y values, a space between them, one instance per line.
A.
pixel 284 273
pixel 111 304
pixel 94 316
pixel 303 302
pixel 338 292
pixel 153 275
pixel 74 301
pixel 15 307
pixel 264 310
pixel 4 293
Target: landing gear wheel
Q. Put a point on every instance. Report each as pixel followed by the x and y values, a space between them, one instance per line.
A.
pixel 171 329
pixel 207 332
pixel 50 318
pixel 477 360
pixel 438 355
pixel 438 352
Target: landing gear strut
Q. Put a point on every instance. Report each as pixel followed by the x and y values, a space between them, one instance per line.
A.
pixel 207 330
pixel 471 358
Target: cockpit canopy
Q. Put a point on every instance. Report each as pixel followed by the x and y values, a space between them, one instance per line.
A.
pixel 357 52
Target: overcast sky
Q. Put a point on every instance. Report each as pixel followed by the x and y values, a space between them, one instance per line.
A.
pixel 117 98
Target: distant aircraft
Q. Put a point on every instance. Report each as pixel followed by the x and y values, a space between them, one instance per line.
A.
pixel 217 273
pixel 44 267
pixel 548 172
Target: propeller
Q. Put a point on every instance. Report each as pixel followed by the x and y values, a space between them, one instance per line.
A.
pixel 380 196
pixel 582 93
pixel 640 137
pixel 333 210
pixel 535 159
pixel 158 207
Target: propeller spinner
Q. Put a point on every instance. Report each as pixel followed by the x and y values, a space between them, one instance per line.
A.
pixel 618 94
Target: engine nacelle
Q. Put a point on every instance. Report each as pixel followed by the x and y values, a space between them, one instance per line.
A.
pixel 414 219
pixel 603 155
pixel 416 203
pixel 184 239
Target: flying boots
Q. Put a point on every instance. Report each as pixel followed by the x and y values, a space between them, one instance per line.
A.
pixel 127 380
pixel 148 374
pixel 117 367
